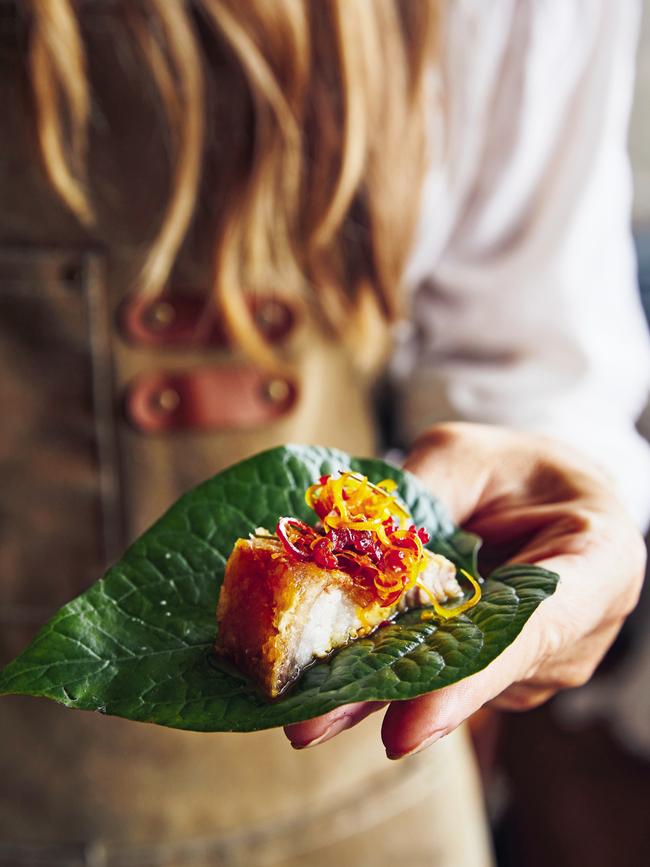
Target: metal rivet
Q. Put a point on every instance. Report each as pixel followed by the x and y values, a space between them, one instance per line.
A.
pixel 160 315
pixel 71 273
pixel 270 315
pixel 276 390
pixel 166 400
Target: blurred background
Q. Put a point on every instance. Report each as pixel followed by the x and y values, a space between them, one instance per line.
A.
pixel 640 154
pixel 569 784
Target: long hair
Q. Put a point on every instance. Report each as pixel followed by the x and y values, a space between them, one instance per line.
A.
pixel 327 204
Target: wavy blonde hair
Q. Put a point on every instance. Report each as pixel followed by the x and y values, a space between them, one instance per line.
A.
pixel 327 205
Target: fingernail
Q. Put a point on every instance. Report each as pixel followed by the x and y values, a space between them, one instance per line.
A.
pixel 337 725
pixel 433 737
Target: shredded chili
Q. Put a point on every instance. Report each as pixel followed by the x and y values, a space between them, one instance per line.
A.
pixel 366 532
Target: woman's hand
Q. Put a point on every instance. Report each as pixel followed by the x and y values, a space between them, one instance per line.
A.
pixel 532 500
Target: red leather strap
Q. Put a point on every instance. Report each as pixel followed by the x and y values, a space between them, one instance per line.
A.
pixel 184 320
pixel 207 398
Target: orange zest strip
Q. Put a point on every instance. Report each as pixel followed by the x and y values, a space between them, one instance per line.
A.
pixel 447 613
pixel 394 556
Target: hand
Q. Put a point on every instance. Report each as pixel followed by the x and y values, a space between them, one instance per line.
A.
pixel 532 500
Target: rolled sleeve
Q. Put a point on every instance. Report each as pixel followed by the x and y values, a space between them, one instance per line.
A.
pixel 530 315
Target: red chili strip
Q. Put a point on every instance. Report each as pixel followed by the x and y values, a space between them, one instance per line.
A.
pixel 282 529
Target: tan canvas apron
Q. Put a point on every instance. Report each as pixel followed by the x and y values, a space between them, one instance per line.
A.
pixel 108 415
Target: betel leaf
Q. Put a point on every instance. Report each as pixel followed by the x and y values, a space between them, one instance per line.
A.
pixel 138 643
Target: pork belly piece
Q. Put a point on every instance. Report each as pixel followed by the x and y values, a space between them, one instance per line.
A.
pixel 275 615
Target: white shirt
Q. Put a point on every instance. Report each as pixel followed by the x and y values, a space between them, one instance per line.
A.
pixel 526 310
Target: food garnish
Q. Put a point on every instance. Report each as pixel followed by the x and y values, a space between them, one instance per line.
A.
pixel 366 532
pixel 293 596
pixel 139 644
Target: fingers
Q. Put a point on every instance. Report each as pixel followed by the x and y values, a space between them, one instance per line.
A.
pixel 567 670
pixel 562 518
pixel 558 649
pixel 452 468
pixel 522 696
pixel 322 728
pixel 410 726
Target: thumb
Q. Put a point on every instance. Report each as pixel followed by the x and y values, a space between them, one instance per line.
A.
pixel 410 726
pixel 452 466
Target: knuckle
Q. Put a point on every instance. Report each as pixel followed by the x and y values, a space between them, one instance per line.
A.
pixel 440 435
pixel 551 644
pixel 585 522
pixel 573 676
pixel 576 678
pixel 579 529
pixel 447 432
pixel 519 703
pixel 522 699
pixel 636 555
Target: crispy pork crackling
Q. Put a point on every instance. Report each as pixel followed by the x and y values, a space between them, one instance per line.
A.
pixel 294 596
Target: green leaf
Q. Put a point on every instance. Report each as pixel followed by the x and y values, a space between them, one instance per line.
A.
pixel 138 643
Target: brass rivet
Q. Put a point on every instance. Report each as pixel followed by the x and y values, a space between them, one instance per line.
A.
pixel 166 400
pixel 270 314
pixel 276 390
pixel 71 273
pixel 160 315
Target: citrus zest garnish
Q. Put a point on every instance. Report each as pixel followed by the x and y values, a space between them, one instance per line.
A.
pixel 369 534
pixel 448 613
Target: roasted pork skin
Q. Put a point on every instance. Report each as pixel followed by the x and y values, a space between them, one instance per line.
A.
pixel 276 615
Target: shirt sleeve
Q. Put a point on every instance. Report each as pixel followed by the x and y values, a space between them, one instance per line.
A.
pixel 530 314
